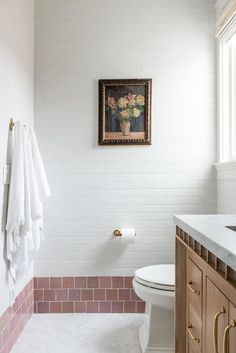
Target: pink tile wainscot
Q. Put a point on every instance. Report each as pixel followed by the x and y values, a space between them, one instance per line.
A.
pixel 86 295
pixel 13 321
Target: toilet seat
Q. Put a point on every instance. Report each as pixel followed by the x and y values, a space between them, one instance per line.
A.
pixel 160 277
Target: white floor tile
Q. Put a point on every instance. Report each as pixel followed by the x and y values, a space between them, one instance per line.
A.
pixel 82 333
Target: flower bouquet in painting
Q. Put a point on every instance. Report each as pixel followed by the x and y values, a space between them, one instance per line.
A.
pixel 124 111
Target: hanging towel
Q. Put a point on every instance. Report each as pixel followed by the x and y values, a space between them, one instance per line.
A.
pixel 43 187
pixel 28 186
pixel 16 200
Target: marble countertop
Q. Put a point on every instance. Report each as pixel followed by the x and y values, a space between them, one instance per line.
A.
pixel 210 231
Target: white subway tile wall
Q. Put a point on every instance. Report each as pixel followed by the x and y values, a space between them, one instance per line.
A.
pixel 98 189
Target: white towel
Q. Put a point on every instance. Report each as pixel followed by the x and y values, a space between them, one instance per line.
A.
pixel 16 200
pixel 43 187
pixel 28 187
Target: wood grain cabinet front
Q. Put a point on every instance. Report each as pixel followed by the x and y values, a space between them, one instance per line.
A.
pixel 216 312
pixel 194 307
pixel 205 306
pixel 220 333
pixel 230 331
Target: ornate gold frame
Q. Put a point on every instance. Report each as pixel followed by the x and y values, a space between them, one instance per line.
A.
pixel 147 118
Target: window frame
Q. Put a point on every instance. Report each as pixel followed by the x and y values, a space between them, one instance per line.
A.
pixel 226 123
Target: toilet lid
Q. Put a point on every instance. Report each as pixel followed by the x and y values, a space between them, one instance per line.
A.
pixel 157 276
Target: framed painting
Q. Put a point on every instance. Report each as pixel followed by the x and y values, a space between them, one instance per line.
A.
pixel 125 112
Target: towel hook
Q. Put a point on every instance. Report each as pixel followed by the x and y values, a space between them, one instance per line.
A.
pixel 11 124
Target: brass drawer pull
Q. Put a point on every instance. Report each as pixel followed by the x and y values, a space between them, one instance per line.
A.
pixel 196 339
pixel 226 336
pixel 215 329
pixel 196 291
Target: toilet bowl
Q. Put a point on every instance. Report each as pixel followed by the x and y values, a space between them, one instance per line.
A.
pixel 156 286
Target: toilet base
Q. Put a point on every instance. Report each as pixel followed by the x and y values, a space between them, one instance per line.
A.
pixel 156 335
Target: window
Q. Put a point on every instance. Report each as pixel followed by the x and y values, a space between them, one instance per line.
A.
pixel 227 92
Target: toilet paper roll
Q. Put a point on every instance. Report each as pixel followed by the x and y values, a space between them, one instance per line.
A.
pixel 128 236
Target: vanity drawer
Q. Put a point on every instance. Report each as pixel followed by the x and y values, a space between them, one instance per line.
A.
pixel 194 329
pixel 193 347
pixel 194 307
pixel 194 286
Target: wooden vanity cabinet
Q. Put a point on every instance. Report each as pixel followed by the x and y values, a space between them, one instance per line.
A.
pixel 232 332
pixel 194 307
pixel 217 317
pixel 205 307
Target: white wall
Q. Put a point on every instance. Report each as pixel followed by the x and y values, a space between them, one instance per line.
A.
pixel 16 97
pixel 97 189
pixel 226 188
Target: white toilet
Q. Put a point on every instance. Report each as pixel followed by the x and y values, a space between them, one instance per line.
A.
pixel 156 286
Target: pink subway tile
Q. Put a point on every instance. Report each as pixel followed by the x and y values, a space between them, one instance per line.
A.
pixel 117 282
pixel 87 294
pixel 25 291
pixel 129 307
pixel 9 346
pixel 30 299
pixel 12 341
pixel 55 307
pixel 5 335
pixel 74 294
pixel 3 321
pixel 68 282
pixel 13 323
pixel 92 307
pixel 31 285
pixel 43 307
pixel 62 295
pixel 31 311
pixel 35 283
pixel 9 312
pixel 134 296
pixel 105 282
pixel 124 294
pixel 140 307
pixel 21 297
pixel 80 282
pixel 105 307
pixel 23 307
pixel 38 295
pixel 99 294
pixel 56 282
pixel 111 294
pixel 67 307
pixel 28 287
pixel 93 282
pixel 128 282
pixel 80 307
pixel 43 282
pixel 49 295
pixel 117 307
pixel 16 305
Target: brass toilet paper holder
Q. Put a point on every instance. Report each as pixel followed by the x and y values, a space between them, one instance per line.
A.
pixel 117 233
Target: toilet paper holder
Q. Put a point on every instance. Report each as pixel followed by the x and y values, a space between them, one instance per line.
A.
pixel 117 233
